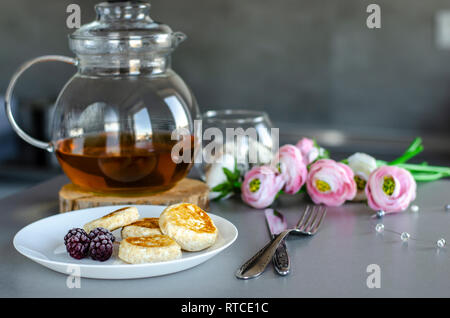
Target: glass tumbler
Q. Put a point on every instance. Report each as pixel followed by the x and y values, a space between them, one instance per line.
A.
pixel 236 139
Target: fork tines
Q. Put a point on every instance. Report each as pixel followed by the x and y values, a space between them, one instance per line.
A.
pixel 311 219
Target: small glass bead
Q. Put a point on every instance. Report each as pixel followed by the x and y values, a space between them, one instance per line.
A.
pixel 447 207
pixel 379 228
pixel 380 214
pixel 404 236
pixel 414 208
pixel 440 243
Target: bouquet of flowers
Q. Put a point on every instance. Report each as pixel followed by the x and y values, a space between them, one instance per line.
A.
pixel 307 168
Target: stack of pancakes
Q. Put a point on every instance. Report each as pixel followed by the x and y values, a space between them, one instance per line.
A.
pixel 182 226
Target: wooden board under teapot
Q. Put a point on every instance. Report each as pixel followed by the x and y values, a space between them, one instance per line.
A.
pixel 72 197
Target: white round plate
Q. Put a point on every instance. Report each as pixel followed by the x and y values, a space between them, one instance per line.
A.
pixel 43 242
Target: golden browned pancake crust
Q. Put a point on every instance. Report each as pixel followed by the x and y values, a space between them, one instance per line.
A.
pixel 190 226
pixel 114 212
pixel 194 217
pixel 151 223
pixel 155 240
pixel 142 227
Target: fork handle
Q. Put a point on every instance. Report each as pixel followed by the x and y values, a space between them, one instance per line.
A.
pixel 281 260
pixel 256 265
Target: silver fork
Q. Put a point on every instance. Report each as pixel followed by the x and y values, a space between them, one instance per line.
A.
pixel 308 225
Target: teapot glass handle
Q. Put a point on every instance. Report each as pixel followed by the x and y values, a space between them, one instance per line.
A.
pixel 48 58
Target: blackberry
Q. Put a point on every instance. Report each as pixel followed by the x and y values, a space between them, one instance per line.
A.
pixel 101 248
pixel 101 230
pixel 74 232
pixel 78 246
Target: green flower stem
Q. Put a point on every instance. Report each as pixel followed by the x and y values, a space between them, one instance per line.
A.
pixel 425 168
pixel 422 172
pixel 425 177
pixel 417 167
pixel 417 142
pixel 405 157
pixel 414 148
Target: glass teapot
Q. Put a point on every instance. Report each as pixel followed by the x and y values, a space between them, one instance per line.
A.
pixel 113 120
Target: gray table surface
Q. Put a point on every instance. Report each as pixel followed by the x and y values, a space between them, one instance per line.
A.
pixel 331 264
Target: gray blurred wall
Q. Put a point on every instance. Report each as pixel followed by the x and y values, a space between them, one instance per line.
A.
pixel 307 63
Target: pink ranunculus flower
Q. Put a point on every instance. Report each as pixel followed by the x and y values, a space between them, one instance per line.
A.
pixel 330 182
pixel 308 150
pixel 260 186
pixel 390 189
pixel 289 163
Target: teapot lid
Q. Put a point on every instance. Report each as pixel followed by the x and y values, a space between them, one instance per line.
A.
pixel 123 27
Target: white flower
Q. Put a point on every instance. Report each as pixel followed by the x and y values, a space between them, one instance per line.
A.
pixel 214 174
pixel 362 165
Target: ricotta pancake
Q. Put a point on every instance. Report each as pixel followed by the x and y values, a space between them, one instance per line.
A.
pixel 189 226
pixel 142 227
pixel 114 220
pixel 148 249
